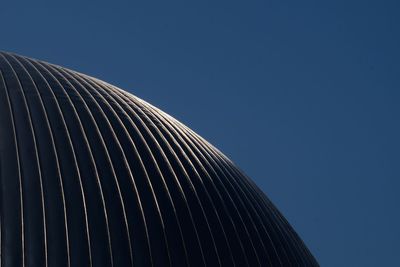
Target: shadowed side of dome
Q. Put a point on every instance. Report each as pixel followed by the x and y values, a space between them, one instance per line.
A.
pixel 91 175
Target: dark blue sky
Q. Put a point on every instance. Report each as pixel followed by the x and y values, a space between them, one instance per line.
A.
pixel 303 95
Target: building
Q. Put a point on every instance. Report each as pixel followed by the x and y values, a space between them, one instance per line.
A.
pixel 94 176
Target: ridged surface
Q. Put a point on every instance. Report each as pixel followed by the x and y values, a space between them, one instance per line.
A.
pixel 94 176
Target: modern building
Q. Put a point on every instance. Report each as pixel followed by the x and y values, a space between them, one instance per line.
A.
pixel 94 176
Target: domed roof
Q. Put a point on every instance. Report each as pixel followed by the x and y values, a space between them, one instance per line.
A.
pixel 94 176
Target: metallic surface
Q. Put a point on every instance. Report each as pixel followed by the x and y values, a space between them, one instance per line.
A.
pixel 94 176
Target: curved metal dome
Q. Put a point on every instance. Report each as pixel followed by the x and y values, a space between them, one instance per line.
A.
pixel 94 176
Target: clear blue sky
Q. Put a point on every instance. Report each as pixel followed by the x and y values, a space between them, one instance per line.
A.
pixel 303 95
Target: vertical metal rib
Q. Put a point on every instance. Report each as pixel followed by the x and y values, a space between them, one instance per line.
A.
pixel 12 215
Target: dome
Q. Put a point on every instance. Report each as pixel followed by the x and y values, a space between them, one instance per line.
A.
pixel 93 176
